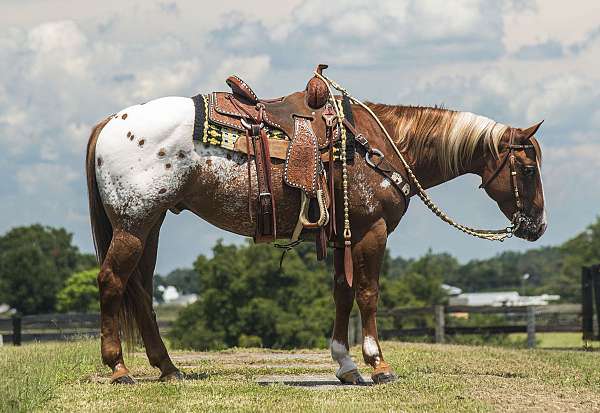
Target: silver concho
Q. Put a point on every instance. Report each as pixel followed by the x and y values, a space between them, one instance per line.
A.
pixel 397 178
pixel 406 189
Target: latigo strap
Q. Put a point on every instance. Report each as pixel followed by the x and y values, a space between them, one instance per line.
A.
pixel 266 224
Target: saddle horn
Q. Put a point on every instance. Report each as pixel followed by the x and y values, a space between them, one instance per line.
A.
pixel 317 92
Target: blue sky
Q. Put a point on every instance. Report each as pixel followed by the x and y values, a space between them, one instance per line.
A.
pixel 66 65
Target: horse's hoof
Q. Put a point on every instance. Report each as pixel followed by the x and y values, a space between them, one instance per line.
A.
pixel 126 379
pixel 383 377
pixel 173 376
pixel 351 377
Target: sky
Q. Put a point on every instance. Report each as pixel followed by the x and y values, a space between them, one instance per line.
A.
pixel 65 65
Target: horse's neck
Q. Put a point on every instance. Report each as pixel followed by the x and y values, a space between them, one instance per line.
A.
pixel 429 172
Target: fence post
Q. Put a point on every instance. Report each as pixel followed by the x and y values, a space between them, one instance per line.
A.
pixel 530 326
pixel 440 324
pixel 595 278
pixel 16 322
pixel 587 303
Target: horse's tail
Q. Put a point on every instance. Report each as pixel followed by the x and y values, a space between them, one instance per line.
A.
pixel 102 232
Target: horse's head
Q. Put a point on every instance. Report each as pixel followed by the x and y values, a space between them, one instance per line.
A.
pixel 513 179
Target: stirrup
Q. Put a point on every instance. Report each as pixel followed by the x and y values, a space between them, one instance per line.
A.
pixel 323 213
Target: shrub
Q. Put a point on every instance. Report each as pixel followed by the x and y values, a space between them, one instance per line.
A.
pixel 80 293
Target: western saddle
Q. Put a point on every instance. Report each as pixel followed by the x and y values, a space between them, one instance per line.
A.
pixel 308 120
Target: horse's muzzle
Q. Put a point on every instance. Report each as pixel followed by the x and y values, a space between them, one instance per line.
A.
pixel 528 227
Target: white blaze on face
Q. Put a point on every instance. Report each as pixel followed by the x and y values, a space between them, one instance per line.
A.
pixel 370 348
pixel 339 353
pixel 544 221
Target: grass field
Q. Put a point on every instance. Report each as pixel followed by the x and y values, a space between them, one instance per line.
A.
pixel 70 377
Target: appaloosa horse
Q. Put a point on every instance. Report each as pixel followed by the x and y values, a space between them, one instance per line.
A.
pixel 142 162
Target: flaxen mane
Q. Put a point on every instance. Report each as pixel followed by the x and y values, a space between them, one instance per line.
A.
pixel 450 136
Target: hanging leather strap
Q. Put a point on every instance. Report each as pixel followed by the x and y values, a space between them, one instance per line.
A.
pixel 266 227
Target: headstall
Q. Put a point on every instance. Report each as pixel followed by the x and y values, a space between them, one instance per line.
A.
pixel 518 217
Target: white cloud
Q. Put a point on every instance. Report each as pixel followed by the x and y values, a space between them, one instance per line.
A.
pixel 46 178
pixel 545 20
pixel 386 32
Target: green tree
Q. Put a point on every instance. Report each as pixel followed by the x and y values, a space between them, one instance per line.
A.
pixel 245 298
pixel 80 293
pixel 582 250
pixel 185 280
pixel 35 261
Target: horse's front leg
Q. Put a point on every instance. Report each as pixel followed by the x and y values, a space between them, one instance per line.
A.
pixel 344 299
pixel 367 255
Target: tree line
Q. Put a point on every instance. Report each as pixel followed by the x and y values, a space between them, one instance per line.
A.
pixel 245 298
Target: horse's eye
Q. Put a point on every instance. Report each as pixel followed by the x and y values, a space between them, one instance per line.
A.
pixel 529 170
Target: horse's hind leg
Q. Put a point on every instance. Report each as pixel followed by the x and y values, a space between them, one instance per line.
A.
pixel 367 255
pixel 121 260
pixel 144 314
pixel 344 298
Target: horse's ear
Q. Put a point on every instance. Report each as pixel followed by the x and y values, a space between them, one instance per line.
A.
pixel 530 131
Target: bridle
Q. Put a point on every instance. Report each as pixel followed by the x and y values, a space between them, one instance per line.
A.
pixel 519 217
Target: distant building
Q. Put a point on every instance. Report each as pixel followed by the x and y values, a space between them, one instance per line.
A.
pixel 451 290
pixel 5 308
pixel 500 299
pixel 172 296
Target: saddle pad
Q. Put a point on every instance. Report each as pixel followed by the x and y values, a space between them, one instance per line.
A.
pixel 302 158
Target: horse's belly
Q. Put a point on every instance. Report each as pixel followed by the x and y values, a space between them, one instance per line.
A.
pixel 221 193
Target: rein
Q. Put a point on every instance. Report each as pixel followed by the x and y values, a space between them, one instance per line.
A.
pixel 488 234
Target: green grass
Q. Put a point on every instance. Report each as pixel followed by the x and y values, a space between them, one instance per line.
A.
pixel 558 340
pixel 69 377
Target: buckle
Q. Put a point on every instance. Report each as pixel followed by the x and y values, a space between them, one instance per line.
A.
pixel 372 152
pixel 264 199
pixel 329 115
pixel 362 140
pixel 253 128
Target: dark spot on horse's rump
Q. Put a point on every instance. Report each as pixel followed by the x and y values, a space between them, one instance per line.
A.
pixel 132 137
pixel 168 166
pixel 228 156
pixel 181 155
pixel 162 191
pixel 124 116
pixel 161 152
pixel 141 142
pixel 128 134
pixel 99 161
pixel 209 162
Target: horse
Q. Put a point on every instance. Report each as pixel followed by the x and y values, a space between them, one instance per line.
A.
pixel 142 162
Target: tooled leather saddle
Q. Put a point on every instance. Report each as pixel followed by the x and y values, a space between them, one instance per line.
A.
pixel 306 118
